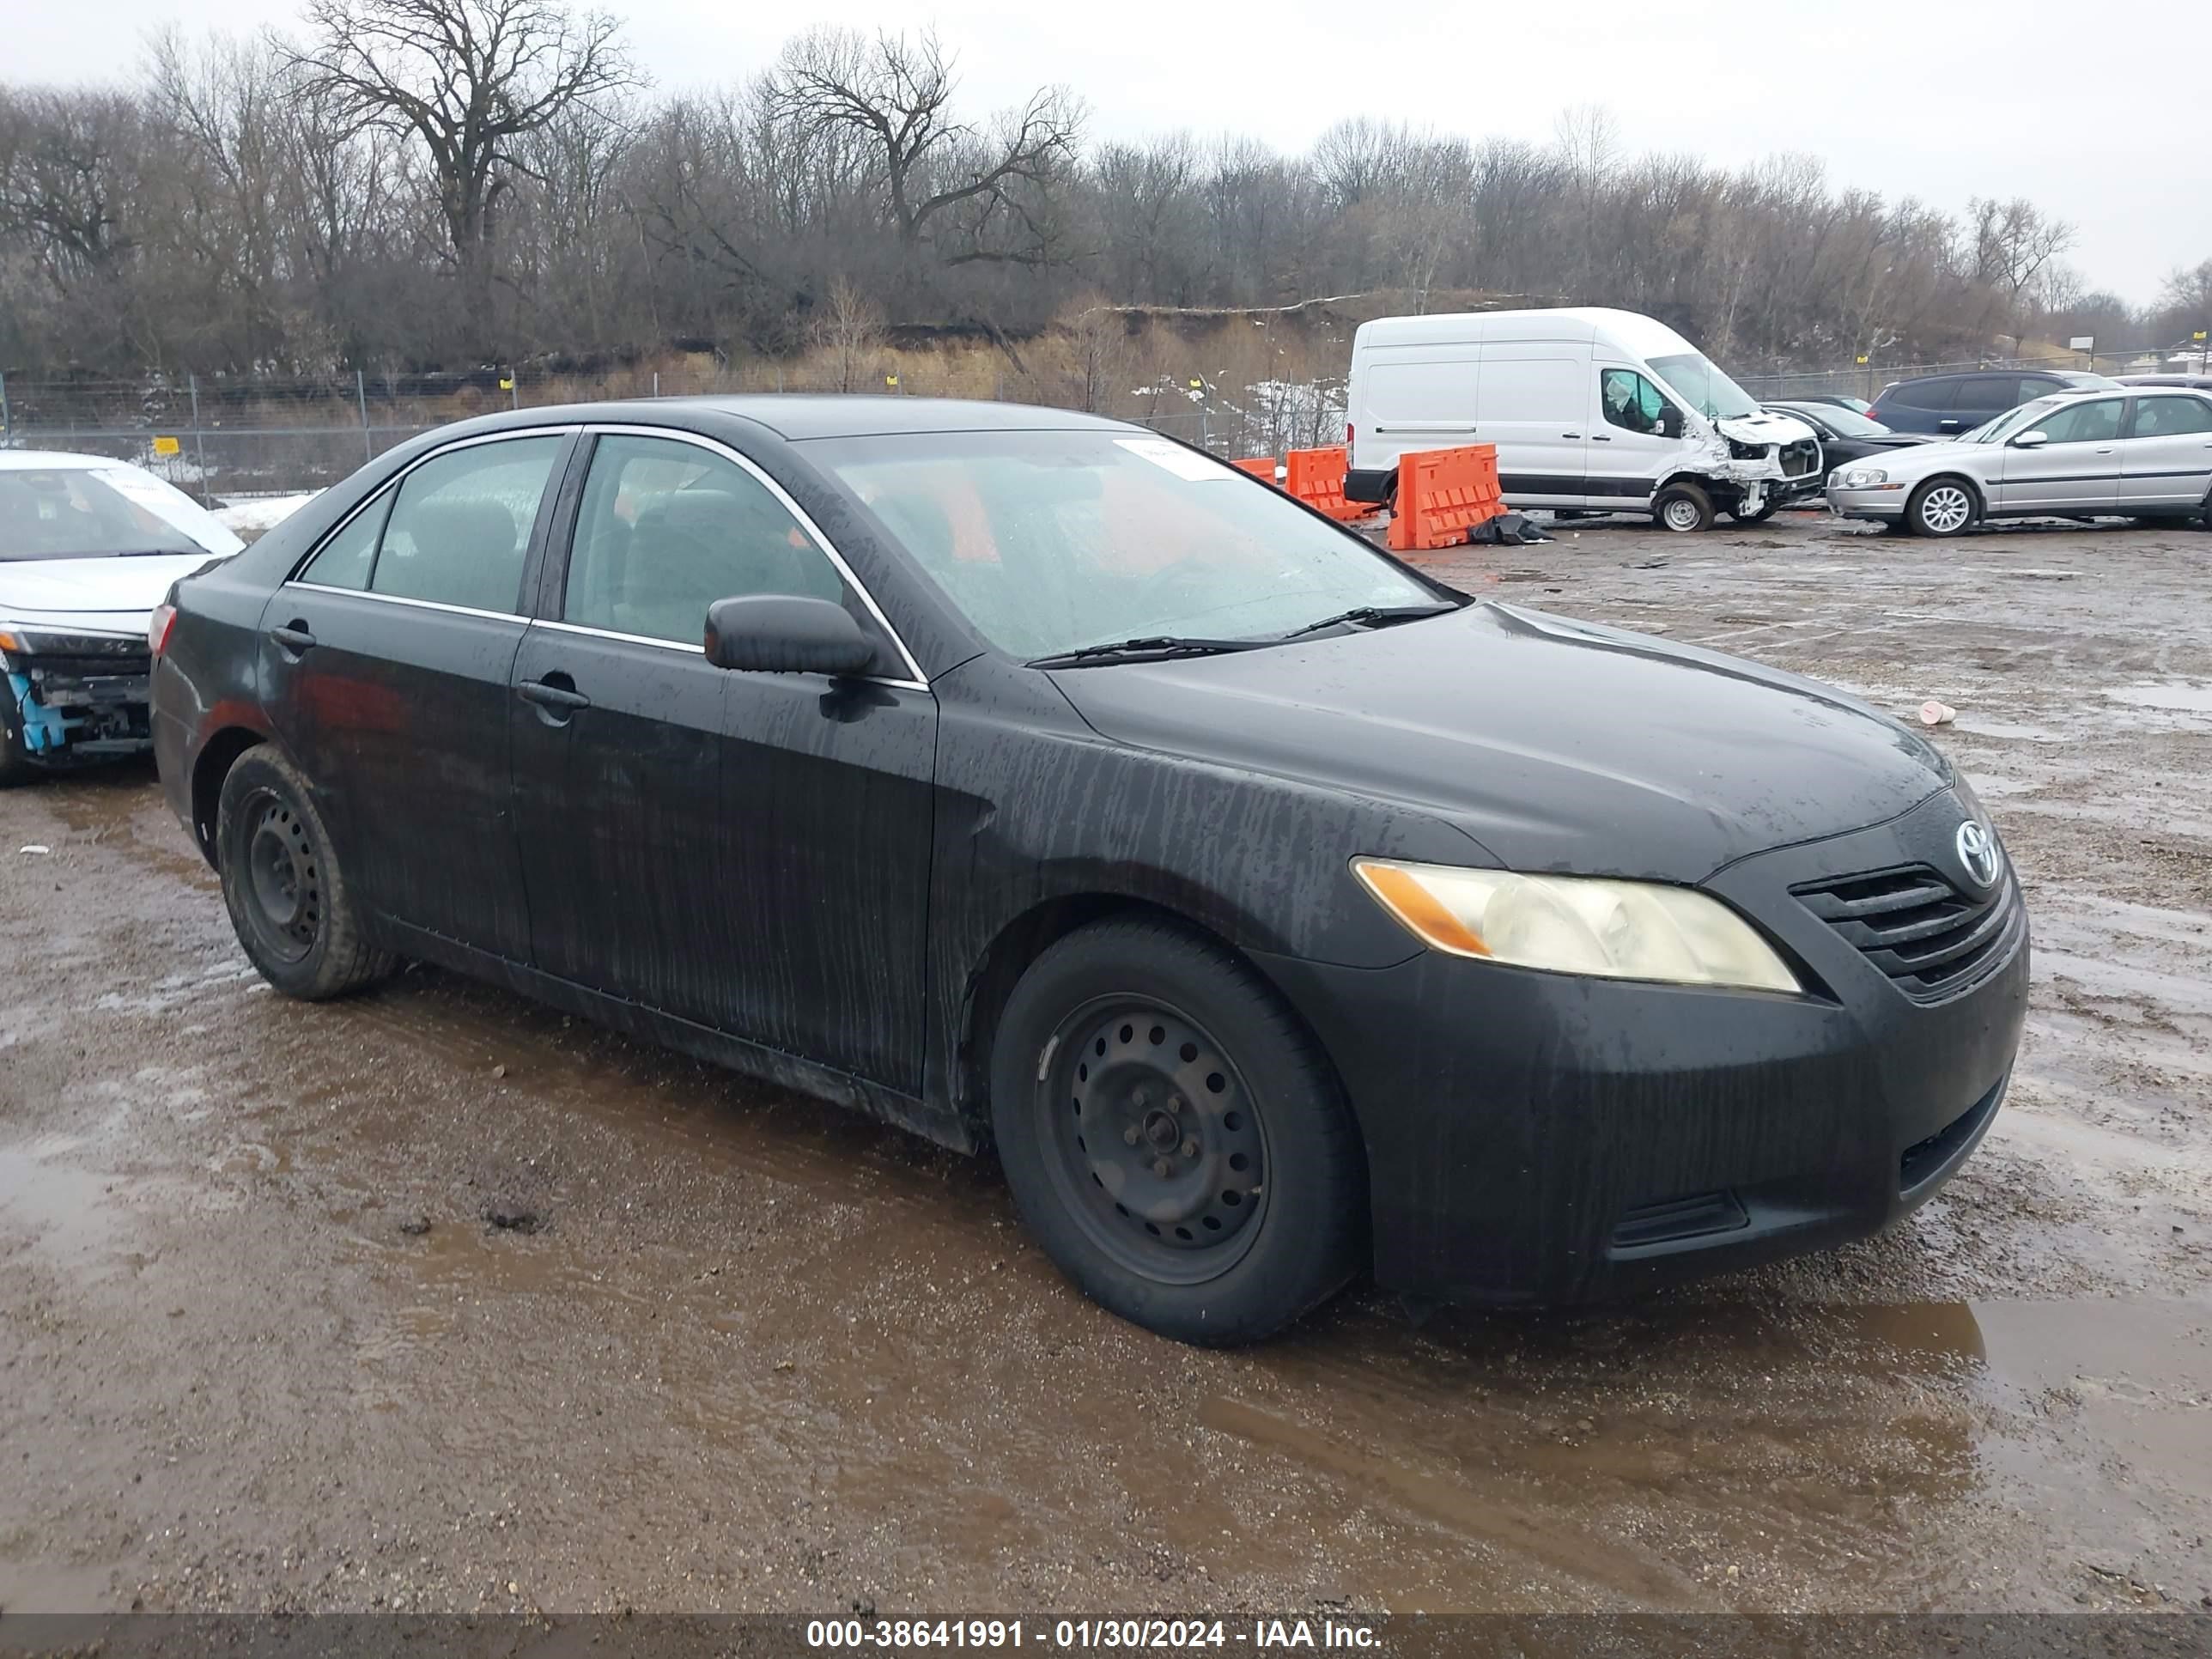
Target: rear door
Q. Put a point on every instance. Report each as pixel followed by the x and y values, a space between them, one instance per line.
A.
pixel 2165 455
pixel 1535 407
pixel 385 661
pixel 748 851
pixel 2076 470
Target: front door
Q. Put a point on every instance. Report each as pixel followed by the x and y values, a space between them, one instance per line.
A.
pixel 2165 458
pixel 2077 469
pixel 749 851
pixel 385 663
pixel 1636 439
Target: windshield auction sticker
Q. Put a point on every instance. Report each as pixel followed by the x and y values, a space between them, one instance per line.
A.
pixel 1183 463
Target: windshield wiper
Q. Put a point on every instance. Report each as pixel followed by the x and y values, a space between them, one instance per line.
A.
pixel 1375 615
pixel 1152 646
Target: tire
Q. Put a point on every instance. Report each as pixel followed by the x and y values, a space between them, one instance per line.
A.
pixel 287 896
pixel 1684 508
pixel 1942 508
pixel 1134 1046
pixel 1768 511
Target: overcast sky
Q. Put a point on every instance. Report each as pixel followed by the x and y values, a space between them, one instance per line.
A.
pixel 2097 113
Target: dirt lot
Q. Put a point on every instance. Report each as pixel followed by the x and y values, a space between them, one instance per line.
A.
pixel 261 1344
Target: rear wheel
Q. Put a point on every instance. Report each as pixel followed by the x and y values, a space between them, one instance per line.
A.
pixel 288 897
pixel 1683 507
pixel 1174 1140
pixel 1939 507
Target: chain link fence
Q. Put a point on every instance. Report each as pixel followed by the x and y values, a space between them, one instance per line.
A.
pixel 226 439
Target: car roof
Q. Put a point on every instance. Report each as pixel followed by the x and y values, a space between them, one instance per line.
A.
pixel 54 460
pixel 797 416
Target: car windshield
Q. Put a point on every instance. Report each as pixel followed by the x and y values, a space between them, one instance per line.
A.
pixel 1704 387
pixel 1049 542
pixel 2012 421
pixel 86 513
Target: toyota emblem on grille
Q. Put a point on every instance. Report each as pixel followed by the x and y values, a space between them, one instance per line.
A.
pixel 1978 851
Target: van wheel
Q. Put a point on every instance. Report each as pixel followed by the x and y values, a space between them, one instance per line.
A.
pixel 289 898
pixel 1174 1140
pixel 1683 507
pixel 1939 507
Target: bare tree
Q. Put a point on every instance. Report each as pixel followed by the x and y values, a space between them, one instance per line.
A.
pixel 894 96
pixel 466 79
pixel 849 328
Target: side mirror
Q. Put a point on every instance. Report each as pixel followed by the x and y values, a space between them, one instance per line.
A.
pixel 1670 422
pixel 782 634
pixel 2035 440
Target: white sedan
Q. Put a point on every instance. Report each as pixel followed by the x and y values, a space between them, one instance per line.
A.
pixel 89 546
pixel 2144 454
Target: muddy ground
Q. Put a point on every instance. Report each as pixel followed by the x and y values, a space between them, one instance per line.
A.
pixel 260 1346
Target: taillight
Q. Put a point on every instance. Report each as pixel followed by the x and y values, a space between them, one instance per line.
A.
pixel 158 626
pixel 1348 434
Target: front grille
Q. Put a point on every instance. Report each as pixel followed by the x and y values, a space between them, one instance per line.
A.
pixel 1925 1159
pixel 1800 459
pixel 1915 925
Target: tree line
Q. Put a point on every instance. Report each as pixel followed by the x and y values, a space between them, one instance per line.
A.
pixel 445 183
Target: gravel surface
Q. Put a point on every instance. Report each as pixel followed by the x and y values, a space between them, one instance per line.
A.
pixel 436 1300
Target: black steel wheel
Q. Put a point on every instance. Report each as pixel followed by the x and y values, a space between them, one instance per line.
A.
pixel 1174 1139
pixel 283 885
pixel 1157 1143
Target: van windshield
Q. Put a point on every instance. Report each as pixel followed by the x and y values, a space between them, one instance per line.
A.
pixel 1704 387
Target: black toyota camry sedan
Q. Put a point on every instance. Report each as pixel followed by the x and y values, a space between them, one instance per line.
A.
pixel 1023 778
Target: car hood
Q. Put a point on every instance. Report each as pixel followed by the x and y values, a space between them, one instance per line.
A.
pixel 110 594
pixel 1763 428
pixel 1557 745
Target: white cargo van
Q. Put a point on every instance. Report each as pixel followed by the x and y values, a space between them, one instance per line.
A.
pixel 1593 411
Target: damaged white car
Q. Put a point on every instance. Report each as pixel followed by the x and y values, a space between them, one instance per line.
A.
pixel 1592 410
pixel 89 547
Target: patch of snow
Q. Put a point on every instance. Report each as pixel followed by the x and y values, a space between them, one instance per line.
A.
pixel 248 517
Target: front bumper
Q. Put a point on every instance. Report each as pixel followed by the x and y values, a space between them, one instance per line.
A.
pixel 1539 1138
pixel 1885 501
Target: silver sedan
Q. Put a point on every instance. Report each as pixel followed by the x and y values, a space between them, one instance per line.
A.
pixel 2143 454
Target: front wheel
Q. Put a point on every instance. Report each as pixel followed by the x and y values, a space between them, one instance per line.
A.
pixel 288 897
pixel 1939 507
pixel 1683 507
pixel 1175 1141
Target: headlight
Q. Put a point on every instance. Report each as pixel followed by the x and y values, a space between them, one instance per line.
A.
pixel 1859 478
pixel 1577 925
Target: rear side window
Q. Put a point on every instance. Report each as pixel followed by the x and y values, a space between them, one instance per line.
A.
pixel 2168 417
pixel 1925 394
pixel 667 528
pixel 460 526
pixel 1996 391
pixel 348 557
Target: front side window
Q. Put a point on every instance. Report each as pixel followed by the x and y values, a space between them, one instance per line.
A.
pixel 1052 541
pixel 2024 418
pixel 2171 417
pixel 460 526
pixel 2084 423
pixel 667 528
pixel 1630 401
pixel 1700 384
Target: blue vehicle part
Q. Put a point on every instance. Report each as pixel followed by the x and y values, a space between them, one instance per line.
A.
pixel 45 732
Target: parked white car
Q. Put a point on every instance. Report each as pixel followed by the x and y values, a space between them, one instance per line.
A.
pixel 1592 409
pixel 89 547
pixel 2144 454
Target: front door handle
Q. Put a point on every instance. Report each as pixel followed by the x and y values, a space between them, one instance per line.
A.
pixel 1598 437
pixel 294 637
pixel 556 694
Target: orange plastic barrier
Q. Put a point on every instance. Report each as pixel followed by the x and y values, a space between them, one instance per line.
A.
pixel 1316 477
pixel 1442 494
pixel 1260 466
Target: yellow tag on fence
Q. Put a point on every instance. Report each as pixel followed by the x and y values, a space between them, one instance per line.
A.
pixel 168 447
pixel 890 380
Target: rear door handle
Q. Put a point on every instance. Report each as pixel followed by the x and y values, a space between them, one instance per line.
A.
pixel 550 693
pixel 1570 434
pixel 294 637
